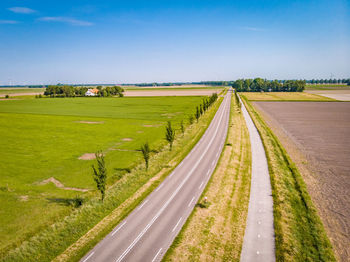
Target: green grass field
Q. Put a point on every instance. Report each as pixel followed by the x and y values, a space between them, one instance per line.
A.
pixel 284 96
pixel 43 138
pixel 4 91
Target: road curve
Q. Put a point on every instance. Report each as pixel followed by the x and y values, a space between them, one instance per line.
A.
pixel 147 233
pixel 259 240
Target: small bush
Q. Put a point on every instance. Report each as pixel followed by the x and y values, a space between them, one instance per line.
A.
pixel 7 96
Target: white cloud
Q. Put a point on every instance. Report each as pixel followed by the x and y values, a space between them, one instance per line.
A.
pixel 67 20
pixel 8 22
pixel 249 28
pixel 21 10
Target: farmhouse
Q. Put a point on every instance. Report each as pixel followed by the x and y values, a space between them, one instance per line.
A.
pixel 91 92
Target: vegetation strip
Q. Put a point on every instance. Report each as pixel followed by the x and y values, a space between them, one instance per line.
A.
pixel 299 233
pixel 120 200
pixel 215 229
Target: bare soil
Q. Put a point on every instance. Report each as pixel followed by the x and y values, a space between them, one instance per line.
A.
pixel 60 185
pixel 87 156
pixel 90 122
pixel 317 137
pixel 127 139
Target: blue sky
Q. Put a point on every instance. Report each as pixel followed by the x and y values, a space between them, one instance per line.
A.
pixel 46 42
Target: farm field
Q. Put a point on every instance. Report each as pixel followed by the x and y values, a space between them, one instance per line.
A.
pixel 44 139
pixel 316 136
pixel 182 87
pixel 20 91
pixel 341 95
pixel 284 96
pixel 171 92
pixel 216 233
pixel 327 87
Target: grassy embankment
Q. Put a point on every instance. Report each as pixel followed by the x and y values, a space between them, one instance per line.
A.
pixel 284 96
pixel 216 233
pixel 299 232
pixel 121 120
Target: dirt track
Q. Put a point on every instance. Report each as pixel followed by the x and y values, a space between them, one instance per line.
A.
pixel 190 92
pixel 317 137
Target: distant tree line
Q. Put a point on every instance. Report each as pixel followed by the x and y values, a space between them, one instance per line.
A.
pixel 74 91
pixel 329 81
pixel 263 85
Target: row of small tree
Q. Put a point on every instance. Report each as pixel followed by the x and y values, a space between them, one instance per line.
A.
pixel 263 85
pixel 74 91
pixel 100 172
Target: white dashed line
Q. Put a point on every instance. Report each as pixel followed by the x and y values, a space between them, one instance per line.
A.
pixel 208 172
pixel 86 259
pixel 180 164
pixel 155 257
pixel 213 163
pixel 200 186
pixel 191 202
pixel 178 222
pixel 115 231
pixel 142 204
pixel 161 185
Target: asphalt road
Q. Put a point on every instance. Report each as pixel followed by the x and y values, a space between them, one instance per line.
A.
pixel 259 240
pixel 147 233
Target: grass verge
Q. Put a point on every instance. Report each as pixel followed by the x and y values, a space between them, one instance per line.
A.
pixel 71 238
pixel 299 232
pixel 216 233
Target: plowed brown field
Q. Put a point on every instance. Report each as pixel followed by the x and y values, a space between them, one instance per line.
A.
pixel 317 137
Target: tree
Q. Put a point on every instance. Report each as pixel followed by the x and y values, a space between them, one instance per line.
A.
pixel 100 173
pixel 146 153
pixel 170 134
pixel 201 109
pixel 198 114
pixel 182 127
pixel 190 119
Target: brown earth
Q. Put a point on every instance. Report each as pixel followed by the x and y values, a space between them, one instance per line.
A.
pixel 60 185
pixel 317 137
pixel 87 156
pixel 90 122
pixel 191 92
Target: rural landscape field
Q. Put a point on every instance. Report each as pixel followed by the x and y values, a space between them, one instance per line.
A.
pixel 148 131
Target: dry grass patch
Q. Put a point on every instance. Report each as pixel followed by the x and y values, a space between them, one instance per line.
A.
pixel 216 233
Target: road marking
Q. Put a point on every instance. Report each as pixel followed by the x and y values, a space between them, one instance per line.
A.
pixel 217 154
pixel 177 224
pixel 174 193
pixel 86 259
pixel 155 257
pixel 191 202
pixel 200 185
pixel 118 228
pixel 180 164
pixel 258 235
pixel 213 163
pixel 208 172
pixel 159 187
pixel 142 204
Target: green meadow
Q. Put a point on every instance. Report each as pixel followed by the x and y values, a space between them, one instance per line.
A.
pixel 44 138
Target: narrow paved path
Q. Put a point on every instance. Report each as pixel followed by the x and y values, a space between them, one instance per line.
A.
pixel 259 240
pixel 146 234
